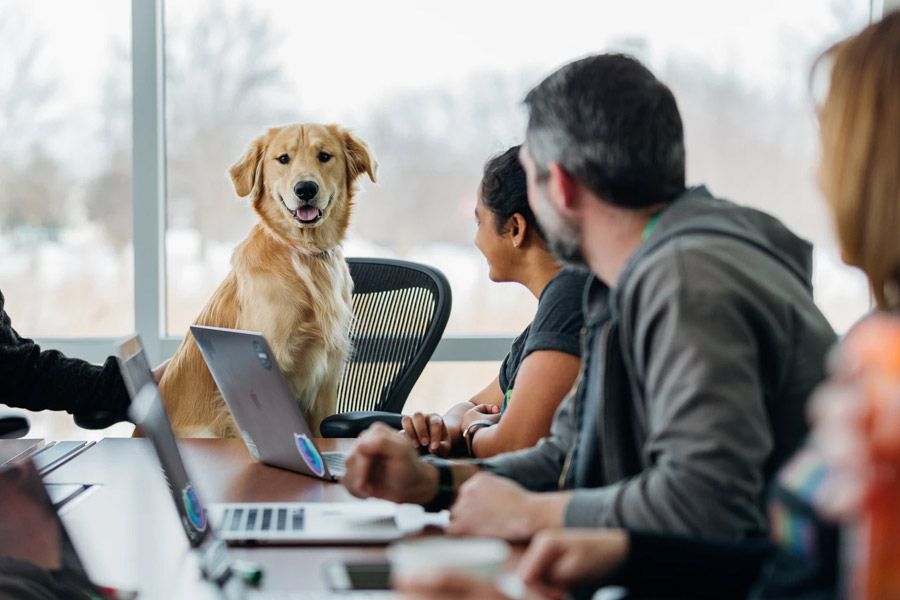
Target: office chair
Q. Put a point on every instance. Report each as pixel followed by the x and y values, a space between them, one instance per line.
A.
pixel 400 310
pixel 13 424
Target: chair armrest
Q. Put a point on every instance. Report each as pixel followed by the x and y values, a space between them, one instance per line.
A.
pixel 13 424
pixel 351 424
pixel 98 419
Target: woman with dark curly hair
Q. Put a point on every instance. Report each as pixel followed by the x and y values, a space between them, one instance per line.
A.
pixel 544 360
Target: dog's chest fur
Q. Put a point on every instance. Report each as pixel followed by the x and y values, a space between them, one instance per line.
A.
pixel 304 310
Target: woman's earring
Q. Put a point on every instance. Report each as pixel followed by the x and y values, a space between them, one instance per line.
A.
pixel 515 244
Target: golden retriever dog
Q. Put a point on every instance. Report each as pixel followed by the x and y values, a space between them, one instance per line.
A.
pixel 288 278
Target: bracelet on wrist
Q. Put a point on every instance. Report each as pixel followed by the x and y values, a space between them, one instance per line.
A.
pixel 469 434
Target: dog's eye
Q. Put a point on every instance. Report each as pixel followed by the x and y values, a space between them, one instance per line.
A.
pixel 324 157
pixel 284 159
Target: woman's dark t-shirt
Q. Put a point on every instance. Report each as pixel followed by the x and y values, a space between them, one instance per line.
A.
pixel 557 325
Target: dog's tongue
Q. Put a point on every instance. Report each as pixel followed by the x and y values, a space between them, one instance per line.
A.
pixel 307 212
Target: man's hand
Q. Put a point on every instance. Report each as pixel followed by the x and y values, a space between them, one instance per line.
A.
pixel 382 464
pixel 559 559
pixel 492 506
pixel 428 431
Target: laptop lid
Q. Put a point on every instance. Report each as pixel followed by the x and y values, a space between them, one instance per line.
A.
pixel 134 364
pixel 148 412
pixel 260 399
pixel 151 416
pixel 37 556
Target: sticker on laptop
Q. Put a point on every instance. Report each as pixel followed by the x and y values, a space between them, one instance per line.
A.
pixel 310 454
pixel 262 356
pixel 195 513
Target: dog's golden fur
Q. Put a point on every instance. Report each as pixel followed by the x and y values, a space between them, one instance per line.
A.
pixel 288 278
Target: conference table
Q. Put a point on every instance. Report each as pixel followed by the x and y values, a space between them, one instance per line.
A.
pixel 126 529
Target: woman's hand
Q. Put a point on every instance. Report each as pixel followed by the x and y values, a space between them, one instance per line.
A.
pixel 428 431
pixel 480 413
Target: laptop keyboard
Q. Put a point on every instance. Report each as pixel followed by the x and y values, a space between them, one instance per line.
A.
pixel 262 519
pixel 335 463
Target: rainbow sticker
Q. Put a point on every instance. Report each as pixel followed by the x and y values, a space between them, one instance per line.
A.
pixel 196 514
pixel 310 454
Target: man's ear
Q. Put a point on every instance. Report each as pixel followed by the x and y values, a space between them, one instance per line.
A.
pixel 245 172
pixel 562 188
pixel 359 158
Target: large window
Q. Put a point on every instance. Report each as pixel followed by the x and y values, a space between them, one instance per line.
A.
pixel 435 90
pixel 65 168
pixel 65 174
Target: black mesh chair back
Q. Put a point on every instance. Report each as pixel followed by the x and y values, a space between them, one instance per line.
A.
pixel 400 311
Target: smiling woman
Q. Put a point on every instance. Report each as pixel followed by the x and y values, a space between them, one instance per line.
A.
pixel 515 409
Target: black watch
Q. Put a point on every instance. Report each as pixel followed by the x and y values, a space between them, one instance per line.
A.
pixel 445 492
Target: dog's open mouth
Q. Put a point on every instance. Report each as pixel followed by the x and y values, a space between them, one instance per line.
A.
pixel 308 214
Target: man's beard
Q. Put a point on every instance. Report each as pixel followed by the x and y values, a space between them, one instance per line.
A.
pixel 562 235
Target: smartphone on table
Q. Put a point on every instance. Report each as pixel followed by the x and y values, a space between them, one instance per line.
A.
pixel 359 575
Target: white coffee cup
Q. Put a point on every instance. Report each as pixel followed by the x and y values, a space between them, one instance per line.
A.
pixel 481 558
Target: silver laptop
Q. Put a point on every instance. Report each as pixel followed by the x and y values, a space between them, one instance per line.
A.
pixel 261 402
pixel 363 522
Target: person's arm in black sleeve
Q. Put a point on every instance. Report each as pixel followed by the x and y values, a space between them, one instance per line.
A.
pixel 48 380
pixel 676 566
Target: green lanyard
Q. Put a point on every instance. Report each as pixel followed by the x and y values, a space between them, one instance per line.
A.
pixel 650 225
pixel 506 400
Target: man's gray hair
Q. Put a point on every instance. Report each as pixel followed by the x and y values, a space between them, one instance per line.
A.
pixel 613 126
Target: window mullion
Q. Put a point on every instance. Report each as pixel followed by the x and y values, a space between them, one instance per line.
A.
pixel 149 171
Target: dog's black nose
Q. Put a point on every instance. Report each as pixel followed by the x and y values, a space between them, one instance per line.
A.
pixel 306 190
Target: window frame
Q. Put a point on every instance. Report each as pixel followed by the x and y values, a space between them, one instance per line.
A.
pixel 149 207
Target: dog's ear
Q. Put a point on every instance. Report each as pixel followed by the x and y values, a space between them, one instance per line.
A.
pixel 245 172
pixel 359 158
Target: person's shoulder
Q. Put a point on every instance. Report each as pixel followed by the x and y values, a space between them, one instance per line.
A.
pixel 567 281
pixel 560 304
pixel 700 261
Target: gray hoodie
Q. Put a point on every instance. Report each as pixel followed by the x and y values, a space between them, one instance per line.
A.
pixel 696 372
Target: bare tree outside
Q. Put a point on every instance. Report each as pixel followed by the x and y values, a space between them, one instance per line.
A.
pixel 31 180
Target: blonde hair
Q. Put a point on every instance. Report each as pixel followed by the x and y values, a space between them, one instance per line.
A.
pixel 860 173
